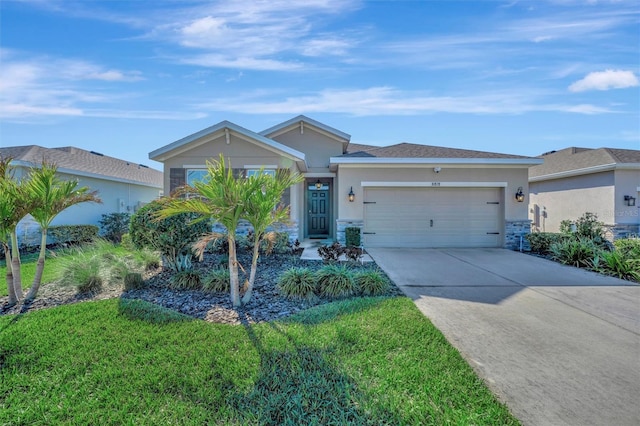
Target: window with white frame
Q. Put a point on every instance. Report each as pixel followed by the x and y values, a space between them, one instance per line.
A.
pixel 196 175
pixel 254 172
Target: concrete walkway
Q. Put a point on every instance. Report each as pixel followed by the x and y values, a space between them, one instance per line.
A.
pixel 559 345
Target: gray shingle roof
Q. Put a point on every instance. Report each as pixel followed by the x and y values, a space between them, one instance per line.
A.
pixel 409 150
pixel 575 158
pixel 76 159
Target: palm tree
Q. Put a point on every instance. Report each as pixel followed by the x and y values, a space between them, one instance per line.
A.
pixel 51 195
pixel 263 194
pixel 14 205
pixel 219 197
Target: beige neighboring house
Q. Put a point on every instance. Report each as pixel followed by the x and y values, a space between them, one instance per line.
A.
pixel 573 181
pixel 123 186
pixel 404 195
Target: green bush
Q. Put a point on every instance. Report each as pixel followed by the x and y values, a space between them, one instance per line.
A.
pixel 578 252
pixel 133 281
pixel 186 280
pixel 125 241
pixel 73 234
pixel 114 225
pixel 276 242
pixel 297 283
pixel 352 236
pixel 84 271
pixel 540 242
pixel 630 247
pixel 371 283
pixel 150 260
pixel 618 265
pixel 172 237
pixel 217 280
pixel 335 281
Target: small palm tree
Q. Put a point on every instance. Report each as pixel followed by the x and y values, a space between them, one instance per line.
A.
pixel 219 197
pixel 50 195
pixel 263 193
pixel 14 205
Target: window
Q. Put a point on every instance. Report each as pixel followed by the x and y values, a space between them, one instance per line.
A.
pixel 195 175
pixel 253 172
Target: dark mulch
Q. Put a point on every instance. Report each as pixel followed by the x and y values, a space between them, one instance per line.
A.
pixel 266 303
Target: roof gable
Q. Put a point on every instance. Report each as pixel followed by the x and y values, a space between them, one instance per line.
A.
pixel 302 121
pixel 78 161
pixel 224 127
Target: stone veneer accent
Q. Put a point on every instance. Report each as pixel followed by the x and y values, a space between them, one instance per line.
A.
pixel 347 223
pixel 616 232
pixel 514 229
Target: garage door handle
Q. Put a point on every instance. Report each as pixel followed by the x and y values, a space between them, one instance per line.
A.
pixel 369 233
pixel 431 223
pixel 493 233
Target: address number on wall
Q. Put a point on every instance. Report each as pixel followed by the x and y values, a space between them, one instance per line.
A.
pixel 435 183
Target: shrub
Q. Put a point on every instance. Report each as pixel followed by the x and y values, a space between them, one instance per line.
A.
pixel 217 280
pixel 353 254
pixel 331 253
pixel 352 236
pixel 541 242
pixel 297 283
pixel 618 265
pixel 149 259
pixel 588 226
pixel 172 237
pixel 73 234
pixel 133 281
pixel 578 252
pixel 186 280
pixel 629 247
pixel 83 271
pixel 335 281
pixel 276 242
pixel 114 225
pixel 125 241
pixel 371 283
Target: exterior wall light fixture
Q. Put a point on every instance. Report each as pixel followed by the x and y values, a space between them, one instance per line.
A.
pixel 352 196
pixel 629 200
pixel 520 195
pixel 318 184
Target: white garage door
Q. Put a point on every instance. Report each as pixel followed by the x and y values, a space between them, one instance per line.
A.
pixel 432 217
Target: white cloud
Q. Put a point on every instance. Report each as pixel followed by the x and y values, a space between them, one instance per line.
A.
pixel 384 100
pixel 605 80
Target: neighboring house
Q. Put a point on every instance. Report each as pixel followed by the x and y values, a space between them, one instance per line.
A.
pixel 122 186
pixel 573 181
pixel 403 195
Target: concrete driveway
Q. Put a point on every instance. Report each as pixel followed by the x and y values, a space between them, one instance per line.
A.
pixel 559 345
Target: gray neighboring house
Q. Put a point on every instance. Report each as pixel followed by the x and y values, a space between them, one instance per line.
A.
pixel 572 181
pixel 404 195
pixel 123 186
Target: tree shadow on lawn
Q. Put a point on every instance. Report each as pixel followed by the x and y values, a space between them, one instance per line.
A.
pixel 301 385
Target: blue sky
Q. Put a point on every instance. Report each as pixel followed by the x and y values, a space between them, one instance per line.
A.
pixel 128 77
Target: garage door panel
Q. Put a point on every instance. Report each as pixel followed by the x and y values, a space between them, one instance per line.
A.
pixel 432 217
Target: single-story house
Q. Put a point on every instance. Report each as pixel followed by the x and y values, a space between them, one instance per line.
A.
pixel 573 181
pixel 404 195
pixel 123 186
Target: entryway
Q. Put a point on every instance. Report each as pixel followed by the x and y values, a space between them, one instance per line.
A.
pixel 318 223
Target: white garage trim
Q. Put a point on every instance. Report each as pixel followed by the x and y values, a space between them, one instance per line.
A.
pixel 435 184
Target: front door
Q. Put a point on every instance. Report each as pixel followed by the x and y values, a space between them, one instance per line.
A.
pixel 318 210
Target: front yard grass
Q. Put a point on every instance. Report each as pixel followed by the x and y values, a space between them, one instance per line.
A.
pixel 360 361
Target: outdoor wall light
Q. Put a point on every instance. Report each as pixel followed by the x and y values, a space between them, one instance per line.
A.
pixel 520 195
pixel 352 196
pixel 629 200
pixel 318 184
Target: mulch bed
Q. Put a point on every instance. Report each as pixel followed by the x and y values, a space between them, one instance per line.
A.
pixel 266 303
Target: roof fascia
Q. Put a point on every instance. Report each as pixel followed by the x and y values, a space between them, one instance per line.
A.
pixel 74 172
pixel 281 128
pixel 181 145
pixel 425 161
pixel 586 171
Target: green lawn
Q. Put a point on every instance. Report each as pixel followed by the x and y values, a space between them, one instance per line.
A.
pixel 361 361
pixel 51 267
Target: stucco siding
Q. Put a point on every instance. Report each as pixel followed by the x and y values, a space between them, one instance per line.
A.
pixel 317 147
pixel 627 183
pixel 553 201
